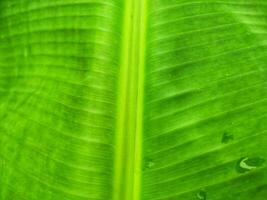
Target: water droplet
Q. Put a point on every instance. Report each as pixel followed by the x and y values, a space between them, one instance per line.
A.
pixel 227 137
pixel 149 164
pixel 202 195
pixel 246 164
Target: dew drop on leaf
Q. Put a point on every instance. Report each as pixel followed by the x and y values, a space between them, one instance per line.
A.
pixel 247 164
pixel 202 195
pixel 227 137
pixel 149 164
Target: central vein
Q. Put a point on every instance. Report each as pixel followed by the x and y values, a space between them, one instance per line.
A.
pixel 127 174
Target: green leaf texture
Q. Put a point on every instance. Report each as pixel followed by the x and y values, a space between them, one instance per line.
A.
pixel 133 100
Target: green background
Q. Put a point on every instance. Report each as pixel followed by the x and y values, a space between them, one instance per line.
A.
pixel 204 99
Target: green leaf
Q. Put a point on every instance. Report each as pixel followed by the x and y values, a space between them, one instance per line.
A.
pixel 133 100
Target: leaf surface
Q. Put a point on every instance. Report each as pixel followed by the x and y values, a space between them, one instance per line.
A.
pixel 133 100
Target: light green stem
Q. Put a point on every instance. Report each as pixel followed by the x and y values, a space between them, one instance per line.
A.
pixel 130 110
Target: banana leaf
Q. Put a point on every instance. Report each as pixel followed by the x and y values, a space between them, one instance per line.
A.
pixel 133 100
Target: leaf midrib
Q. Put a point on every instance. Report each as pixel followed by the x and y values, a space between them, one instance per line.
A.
pixel 127 165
